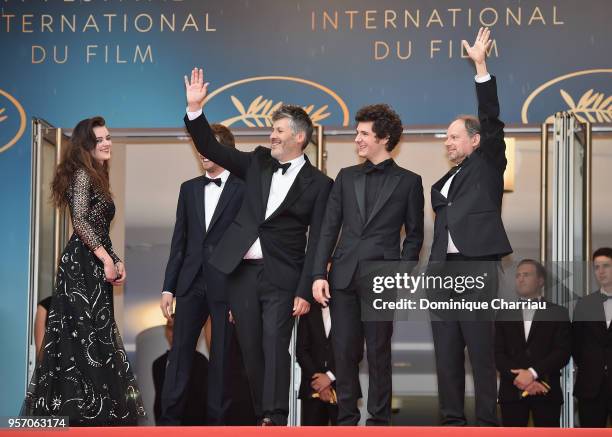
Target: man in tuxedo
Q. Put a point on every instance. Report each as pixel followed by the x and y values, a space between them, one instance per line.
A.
pixel 370 203
pixel 531 348
pixel 197 388
pixel 592 346
pixel 266 251
pixel 468 231
pixel 207 205
pixel 315 356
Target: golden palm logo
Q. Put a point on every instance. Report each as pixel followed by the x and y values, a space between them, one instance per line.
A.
pixel 8 138
pixel 593 105
pixel 258 112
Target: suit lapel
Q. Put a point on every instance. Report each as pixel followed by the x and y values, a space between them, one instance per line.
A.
pixel 301 182
pixel 534 325
pixel 601 312
pixel 266 182
pixel 460 177
pixel 360 193
pixel 198 194
pixel 538 316
pixel 519 324
pixel 440 183
pixel 226 196
pixel 391 182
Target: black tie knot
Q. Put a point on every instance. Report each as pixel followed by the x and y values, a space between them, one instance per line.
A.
pixel 368 167
pixel 524 299
pixel 276 165
pixel 604 297
pixel 216 181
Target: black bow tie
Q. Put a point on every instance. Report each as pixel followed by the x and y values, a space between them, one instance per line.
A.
pixel 604 297
pixel 524 299
pixel 276 165
pixel 456 168
pixel 216 181
pixel 368 167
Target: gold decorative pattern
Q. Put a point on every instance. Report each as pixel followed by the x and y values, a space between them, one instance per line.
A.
pixel 22 121
pixel 260 111
pixel 592 106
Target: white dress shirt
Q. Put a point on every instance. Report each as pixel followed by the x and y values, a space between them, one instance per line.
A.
pixel 527 322
pixel 451 248
pixel 327 326
pixel 212 194
pixel 281 183
pixel 326 320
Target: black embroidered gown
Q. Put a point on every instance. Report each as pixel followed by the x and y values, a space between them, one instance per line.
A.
pixel 83 371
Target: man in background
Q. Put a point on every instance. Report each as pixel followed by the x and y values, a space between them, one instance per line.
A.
pixel 531 348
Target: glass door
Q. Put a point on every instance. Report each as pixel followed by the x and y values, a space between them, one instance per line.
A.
pixel 48 224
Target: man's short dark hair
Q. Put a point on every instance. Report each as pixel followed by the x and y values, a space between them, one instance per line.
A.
pixel 386 122
pixel 603 251
pixel 223 135
pixel 471 123
pixel 298 120
pixel 539 268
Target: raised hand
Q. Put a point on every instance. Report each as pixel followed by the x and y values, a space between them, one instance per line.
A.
pixel 478 52
pixel 196 90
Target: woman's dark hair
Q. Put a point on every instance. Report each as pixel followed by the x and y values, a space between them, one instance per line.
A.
pixel 76 155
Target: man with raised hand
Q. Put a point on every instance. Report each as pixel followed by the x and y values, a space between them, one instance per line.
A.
pixel 268 250
pixel 469 238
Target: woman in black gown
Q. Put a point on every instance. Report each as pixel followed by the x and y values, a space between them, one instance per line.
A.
pixel 82 371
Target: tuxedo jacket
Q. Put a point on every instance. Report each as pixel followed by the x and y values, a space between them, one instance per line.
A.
pixel 192 245
pixel 472 209
pixel 373 237
pixel 547 350
pixel 591 346
pixel 313 349
pixel 289 235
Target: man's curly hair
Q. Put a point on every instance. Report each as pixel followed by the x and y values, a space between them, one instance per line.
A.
pixel 386 122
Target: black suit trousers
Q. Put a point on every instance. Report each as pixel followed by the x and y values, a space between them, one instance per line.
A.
pixel 264 321
pixel 348 333
pixel 594 413
pixel 456 331
pixel 191 313
pixel 318 413
pixel 544 414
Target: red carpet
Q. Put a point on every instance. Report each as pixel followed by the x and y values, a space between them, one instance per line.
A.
pixel 227 431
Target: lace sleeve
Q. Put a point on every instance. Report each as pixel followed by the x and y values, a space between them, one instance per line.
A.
pixel 112 254
pixel 79 207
